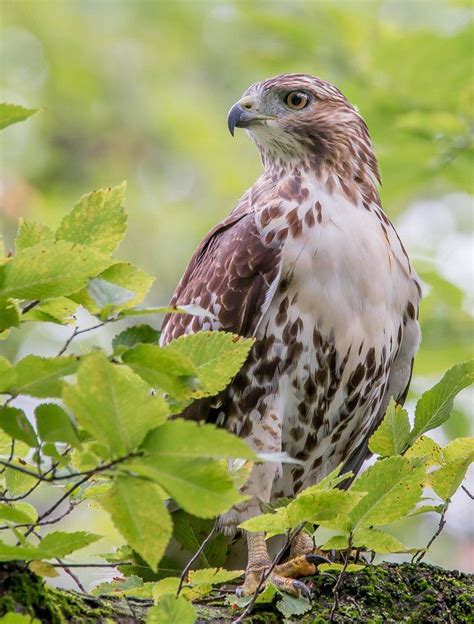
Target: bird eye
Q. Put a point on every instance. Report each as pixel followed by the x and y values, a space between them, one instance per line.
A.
pixel 297 100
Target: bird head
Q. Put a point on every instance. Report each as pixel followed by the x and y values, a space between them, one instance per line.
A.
pixel 301 117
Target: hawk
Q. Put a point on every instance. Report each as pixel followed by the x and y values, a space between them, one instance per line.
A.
pixel 308 264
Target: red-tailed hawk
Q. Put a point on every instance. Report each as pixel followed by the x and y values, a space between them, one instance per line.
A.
pixel 310 265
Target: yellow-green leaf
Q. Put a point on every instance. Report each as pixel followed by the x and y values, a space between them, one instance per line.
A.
pixel 393 433
pixel 97 220
pixel 13 113
pixel 31 233
pixel 138 511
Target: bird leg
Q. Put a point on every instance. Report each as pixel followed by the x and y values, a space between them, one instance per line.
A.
pixel 304 558
pixel 259 563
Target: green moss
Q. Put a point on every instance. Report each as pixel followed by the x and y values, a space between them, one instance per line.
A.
pixel 26 593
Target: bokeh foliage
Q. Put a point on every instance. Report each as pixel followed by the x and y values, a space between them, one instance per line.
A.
pixel 140 91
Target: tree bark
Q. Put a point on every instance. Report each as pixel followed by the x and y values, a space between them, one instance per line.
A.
pixel 415 593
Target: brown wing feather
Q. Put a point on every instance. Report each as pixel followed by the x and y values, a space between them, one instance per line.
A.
pixel 233 274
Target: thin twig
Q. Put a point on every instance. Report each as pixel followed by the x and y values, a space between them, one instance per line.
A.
pixel 467 492
pixel 335 591
pixel 75 578
pixel 10 457
pixel 441 525
pixel 195 557
pixel 77 332
pixel 72 475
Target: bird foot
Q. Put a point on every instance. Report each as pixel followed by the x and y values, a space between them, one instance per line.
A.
pixel 284 576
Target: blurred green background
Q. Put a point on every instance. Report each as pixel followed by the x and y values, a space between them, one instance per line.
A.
pixel 140 89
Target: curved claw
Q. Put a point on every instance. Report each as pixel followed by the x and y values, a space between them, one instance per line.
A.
pixel 317 559
pixel 302 589
pixel 239 592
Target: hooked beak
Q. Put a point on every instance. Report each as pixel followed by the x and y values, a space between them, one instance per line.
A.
pixel 244 113
pixel 239 117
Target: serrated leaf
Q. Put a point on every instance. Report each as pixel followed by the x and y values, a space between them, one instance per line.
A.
pixel 106 293
pixel 97 220
pixel 427 508
pixel 171 610
pixel 378 541
pixel 54 425
pixel 168 370
pixel 124 275
pixel 18 513
pixel 394 485
pixel 10 314
pixel 337 542
pixel 138 334
pixel 13 113
pixel 187 439
pixel 193 310
pixel 37 376
pixel 324 507
pixel 18 482
pixel 213 576
pixel 427 448
pixel 458 456
pixel 289 606
pixel 201 487
pixel 435 405
pixel 55 544
pixel 138 511
pixel 113 404
pixel 216 356
pixel 392 435
pixel 30 234
pixel 58 310
pixel 14 422
pixel 50 270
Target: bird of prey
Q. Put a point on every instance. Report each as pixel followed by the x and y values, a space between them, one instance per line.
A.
pixel 311 267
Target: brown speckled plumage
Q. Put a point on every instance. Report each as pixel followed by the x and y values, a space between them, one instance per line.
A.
pixel 310 265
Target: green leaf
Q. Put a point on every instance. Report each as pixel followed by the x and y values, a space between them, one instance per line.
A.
pixel 205 578
pixel 394 485
pixel 201 487
pixel 14 422
pixel 13 113
pixel 378 541
pixel 338 567
pixel 187 439
pixel 54 425
pixel 30 234
pixel 138 334
pixel 18 513
pixel 138 511
pixel 97 220
pixel 458 456
pixel 161 368
pixel 106 293
pixel 18 618
pixel 290 606
pixel 435 405
pixel 190 531
pixel 171 610
pixel 216 356
pixel 37 376
pixel 43 568
pixel 10 314
pixel 58 310
pixel 50 270
pixel 324 507
pixel 125 275
pixel 337 542
pixel 17 482
pixel 193 310
pixel 55 544
pixel 425 447
pixel 393 433
pixel 114 404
